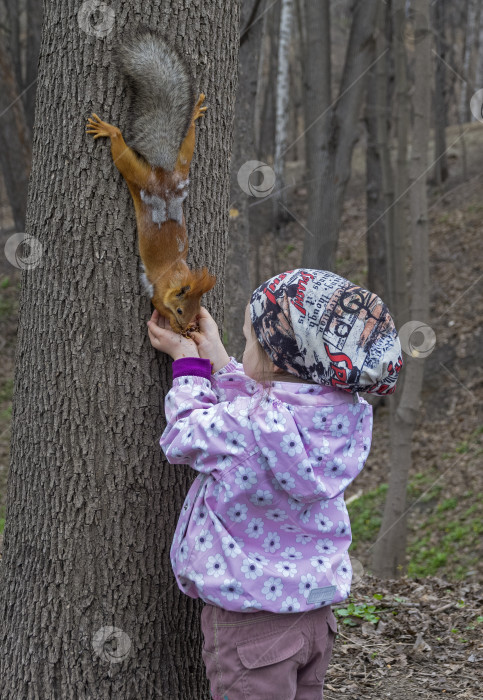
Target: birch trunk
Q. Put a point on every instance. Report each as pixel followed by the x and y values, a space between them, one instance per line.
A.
pixel 389 558
pixel 91 503
pixel 282 106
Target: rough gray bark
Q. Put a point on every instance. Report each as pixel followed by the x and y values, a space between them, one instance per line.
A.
pixel 389 558
pixel 238 280
pixel 91 503
pixel 15 149
pixel 339 137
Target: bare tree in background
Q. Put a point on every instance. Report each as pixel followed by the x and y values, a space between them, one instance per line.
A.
pixel 479 64
pixel 238 278
pixel 470 60
pixel 337 127
pixel 375 201
pixel 89 607
pixel 34 31
pixel 15 146
pixel 282 104
pixel 263 239
pixel 440 172
pixel 390 549
pixel 317 81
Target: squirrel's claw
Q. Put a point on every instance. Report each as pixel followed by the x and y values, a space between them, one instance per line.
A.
pixel 199 110
pixel 97 127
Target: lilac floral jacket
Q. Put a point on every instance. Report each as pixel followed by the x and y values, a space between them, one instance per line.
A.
pixel 264 525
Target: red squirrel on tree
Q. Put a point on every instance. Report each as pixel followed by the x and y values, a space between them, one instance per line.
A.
pixel 156 170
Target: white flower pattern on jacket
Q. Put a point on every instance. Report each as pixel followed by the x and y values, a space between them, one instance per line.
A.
pixel 265 522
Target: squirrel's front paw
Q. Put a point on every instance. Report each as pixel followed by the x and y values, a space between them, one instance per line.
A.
pixel 199 110
pixel 97 128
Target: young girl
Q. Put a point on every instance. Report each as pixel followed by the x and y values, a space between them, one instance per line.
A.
pixel 264 531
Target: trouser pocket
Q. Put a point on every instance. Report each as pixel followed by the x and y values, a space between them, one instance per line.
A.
pixel 270 664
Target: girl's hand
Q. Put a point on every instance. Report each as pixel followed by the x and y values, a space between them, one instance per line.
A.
pixel 164 339
pixel 208 341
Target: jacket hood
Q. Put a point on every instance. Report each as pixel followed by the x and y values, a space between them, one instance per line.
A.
pixel 308 425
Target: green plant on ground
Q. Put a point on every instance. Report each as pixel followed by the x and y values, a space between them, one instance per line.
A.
pixel 362 611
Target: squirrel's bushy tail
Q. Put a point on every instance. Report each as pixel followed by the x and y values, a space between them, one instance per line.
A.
pixel 163 96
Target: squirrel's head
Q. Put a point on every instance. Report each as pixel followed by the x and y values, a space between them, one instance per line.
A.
pixel 183 301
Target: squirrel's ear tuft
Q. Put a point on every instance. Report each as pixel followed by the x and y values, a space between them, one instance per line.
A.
pixel 202 281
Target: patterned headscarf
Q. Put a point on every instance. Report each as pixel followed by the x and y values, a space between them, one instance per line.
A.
pixel 317 325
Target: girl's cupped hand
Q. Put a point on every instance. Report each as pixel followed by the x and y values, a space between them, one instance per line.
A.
pixel 165 340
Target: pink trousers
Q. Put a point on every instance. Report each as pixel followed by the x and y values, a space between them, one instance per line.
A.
pixel 264 655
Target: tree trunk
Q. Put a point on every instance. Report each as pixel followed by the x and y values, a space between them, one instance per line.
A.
pixel 317 81
pixel 475 49
pixel 238 280
pixel 468 45
pixel 479 64
pixel 34 31
pixel 15 149
pixel 282 107
pixel 440 172
pixel 14 10
pixel 262 233
pixel 389 558
pixel 376 243
pixel 383 113
pixel 340 136
pixel 91 503
pixel 396 247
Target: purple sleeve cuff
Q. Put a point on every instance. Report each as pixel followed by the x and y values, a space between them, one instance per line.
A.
pixel 192 366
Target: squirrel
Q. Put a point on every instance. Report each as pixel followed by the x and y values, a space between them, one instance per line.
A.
pixel 156 170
